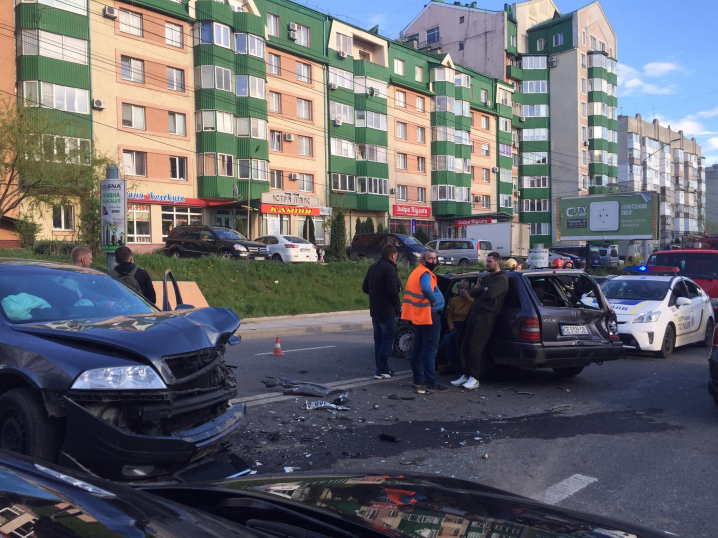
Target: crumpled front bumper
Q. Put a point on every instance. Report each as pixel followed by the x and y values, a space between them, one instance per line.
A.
pixel 105 449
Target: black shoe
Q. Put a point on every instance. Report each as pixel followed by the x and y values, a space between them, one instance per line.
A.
pixel 438 388
pixel 419 385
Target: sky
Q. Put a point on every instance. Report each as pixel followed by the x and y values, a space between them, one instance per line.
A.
pixel 668 67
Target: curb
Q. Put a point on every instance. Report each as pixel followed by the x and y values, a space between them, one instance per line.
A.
pixel 293 331
pixel 304 316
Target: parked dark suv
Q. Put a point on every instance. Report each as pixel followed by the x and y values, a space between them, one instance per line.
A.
pixel 368 246
pixel 545 322
pixel 196 241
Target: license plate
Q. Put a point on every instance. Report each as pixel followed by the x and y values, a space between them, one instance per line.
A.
pixel 260 258
pixel 305 250
pixel 569 330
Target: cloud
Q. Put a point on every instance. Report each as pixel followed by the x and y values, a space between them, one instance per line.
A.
pixel 711 159
pixel 631 81
pixel 710 144
pixel 707 113
pixel 652 89
pixel 691 125
pixel 658 69
pixel 378 19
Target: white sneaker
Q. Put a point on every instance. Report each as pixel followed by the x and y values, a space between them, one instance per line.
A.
pixel 463 379
pixel 471 384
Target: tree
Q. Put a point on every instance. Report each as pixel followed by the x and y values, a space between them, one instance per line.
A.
pixel 308 230
pixel 338 242
pixel 380 228
pixel 401 229
pixel 369 226
pixel 421 236
pixel 359 227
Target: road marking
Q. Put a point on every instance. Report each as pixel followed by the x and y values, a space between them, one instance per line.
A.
pixel 564 489
pixel 290 350
pixel 261 399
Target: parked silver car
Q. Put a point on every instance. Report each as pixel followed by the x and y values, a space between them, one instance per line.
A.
pixel 463 251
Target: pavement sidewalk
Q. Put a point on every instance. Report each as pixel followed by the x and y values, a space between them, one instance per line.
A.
pixel 305 324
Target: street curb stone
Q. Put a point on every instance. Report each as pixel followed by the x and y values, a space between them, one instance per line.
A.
pixel 301 316
pixel 249 334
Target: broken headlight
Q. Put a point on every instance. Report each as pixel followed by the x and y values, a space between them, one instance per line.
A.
pixel 119 378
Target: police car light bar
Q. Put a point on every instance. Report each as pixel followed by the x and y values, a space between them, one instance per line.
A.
pixel 664 270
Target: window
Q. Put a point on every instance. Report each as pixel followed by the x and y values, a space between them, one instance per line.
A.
pixel 444 103
pixel 534 134
pixel 177 124
pixel 583 110
pixel 443 162
pixel 440 193
pixel 461 45
pixel 584 157
pixel 138 224
pixel 205 120
pixel 303 36
pixel 130 22
pixel 557 40
pixel 432 35
pixel 304 72
pixel 272 25
pixel 420 104
pixel 401 161
pixel 73 6
pixel 535 111
pixel 178 168
pixel 257 88
pixel 421 164
pixel 531 206
pixel 583 37
pixel 593 43
pixel 534 86
pixel 275 102
pixel 421 194
pixel 304 109
pixel 421 135
pixel 584 181
pixel 513 41
pixel 533 62
pixel 462 80
pixel 485 175
pixel 221 35
pixel 462 108
pixel 274 64
pixel 418 73
pixel 484 96
pixel 370 86
pixel 223 79
pixel 59 47
pixel 584 137
pixel 225 122
pixel 583 61
pixel 306 182
pixel 343 79
pixel 538 157
pixel 135 163
pixel 443 133
pixel 505 125
pixel 342 148
pixel 399 67
pixel 225 165
pixel 345 44
pixel 305 144
pixel 400 98
pixel 173 34
pixel 259 169
pixel 370 152
pixel 602 46
pixel 175 79
pixel 133 116
pixel 485 201
pixel 401 130
pixel 462 138
pixel 254 127
pixel 276 181
pixel 343 182
pixel 541 44
pixel 401 193
pixel 505 176
pixel 341 112
pixel 373 120
pixel 539 228
pixel 132 69
pixel 534 182
pixel 62 218
pixel 485 122
pixel 275 141
pixel 485 149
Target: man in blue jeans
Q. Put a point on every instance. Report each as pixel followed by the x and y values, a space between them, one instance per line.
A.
pixel 382 285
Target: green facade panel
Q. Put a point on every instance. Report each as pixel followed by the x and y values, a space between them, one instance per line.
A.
pixel 343 200
pixel 372 169
pixel 364 135
pixel 534 170
pixel 252 24
pixel 549 29
pixel 599 168
pixel 66 123
pixel 289 12
pixel 444 88
pixel 535 216
pixel 365 68
pixel 462 123
pixel 462 93
pixel 213 142
pixel 535 98
pixel 253 148
pixel 443 177
pixel 511 31
pixel 345 130
pixel 463 209
pixel 372 202
pixel 209 10
pixel 250 107
pixel 179 9
pixel 443 148
pixel 342 165
pixel 514 72
pixel 535 193
pixel 54 71
pixel 216 100
pixel 463 180
pixel 504 111
pixel 443 118
pixel 535 74
pixel 462 151
pixel 374 103
pixel 244 64
pixel 444 208
pixel 50 19
pixel 536 123
pixel 214 55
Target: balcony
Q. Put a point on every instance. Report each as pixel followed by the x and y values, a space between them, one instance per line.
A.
pixel 681 184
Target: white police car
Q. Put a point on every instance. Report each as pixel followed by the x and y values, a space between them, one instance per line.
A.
pixel 659 313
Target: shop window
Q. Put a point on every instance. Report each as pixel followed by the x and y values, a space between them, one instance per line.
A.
pixel 138 224
pixel 173 216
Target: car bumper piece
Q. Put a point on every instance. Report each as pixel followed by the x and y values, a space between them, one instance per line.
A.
pixel 649 340
pixel 528 355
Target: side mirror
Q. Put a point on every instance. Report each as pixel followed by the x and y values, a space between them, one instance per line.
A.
pixel 683 301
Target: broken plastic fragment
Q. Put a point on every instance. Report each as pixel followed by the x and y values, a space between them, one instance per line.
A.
pixel 321 404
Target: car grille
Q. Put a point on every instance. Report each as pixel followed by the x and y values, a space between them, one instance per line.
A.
pixel 200 370
pixel 258 250
pixel 183 366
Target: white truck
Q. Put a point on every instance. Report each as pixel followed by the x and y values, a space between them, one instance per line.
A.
pixel 510 239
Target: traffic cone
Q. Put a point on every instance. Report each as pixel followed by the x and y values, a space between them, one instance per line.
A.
pixel 277 349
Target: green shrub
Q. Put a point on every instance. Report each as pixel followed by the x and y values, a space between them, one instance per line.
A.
pixel 27 229
pixel 421 236
pixel 380 228
pixel 369 226
pixel 359 227
pixel 54 248
pixel 338 242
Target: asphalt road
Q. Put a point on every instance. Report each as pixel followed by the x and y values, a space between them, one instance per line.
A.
pixel 638 441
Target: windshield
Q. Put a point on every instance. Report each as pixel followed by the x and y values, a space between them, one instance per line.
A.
pixel 696 264
pixel 644 290
pixel 297 240
pixel 226 233
pixel 563 290
pixel 61 295
pixel 408 240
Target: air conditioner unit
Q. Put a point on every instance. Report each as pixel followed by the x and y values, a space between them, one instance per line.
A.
pixel 552 61
pixel 477 199
pixel 99 104
pixel 585 142
pixel 293 35
pixel 293 177
pixel 337 122
pixel 288 137
pixel 488 103
pixel 333 86
pixel 110 12
pixel 370 92
pixel 522 118
pixel 392 191
pixel 342 54
pixel 495 169
pixel 517 193
pixel 293 26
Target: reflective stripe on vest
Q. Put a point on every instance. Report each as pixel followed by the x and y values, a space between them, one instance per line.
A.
pixel 417 308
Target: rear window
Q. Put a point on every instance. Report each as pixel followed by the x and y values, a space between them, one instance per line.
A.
pixel 484 245
pixel 642 290
pixel 614 253
pixel 603 252
pixel 297 240
pixel 564 290
pixel 690 264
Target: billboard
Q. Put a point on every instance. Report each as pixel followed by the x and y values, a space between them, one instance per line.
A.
pixel 113 207
pixel 608 216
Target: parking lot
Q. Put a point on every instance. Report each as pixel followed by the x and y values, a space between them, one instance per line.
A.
pixel 633 439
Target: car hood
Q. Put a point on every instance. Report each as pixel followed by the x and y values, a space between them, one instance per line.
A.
pixel 149 336
pixel 627 309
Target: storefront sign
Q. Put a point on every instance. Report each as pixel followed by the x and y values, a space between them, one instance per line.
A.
pixel 113 207
pixel 326 211
pixel 413 226
pixel 460 223
pixel 274 209
pixel 537 258
pixel 172 199
pixel 273 226
pixel 290 198
pixel 412 211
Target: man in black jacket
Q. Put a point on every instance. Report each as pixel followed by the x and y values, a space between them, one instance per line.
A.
pixel 135 278
pixel 382 285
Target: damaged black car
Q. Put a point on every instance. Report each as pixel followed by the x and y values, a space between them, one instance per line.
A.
pixel 96 378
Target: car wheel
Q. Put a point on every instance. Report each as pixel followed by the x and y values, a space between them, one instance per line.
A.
pixel 25 427
pixel 708 339
pixel 277 258
pixel 668 344
pixel 225 255
pixel 568 372
pixel 175 254
pixel 464 262
pixel 403 341
pixel 360 258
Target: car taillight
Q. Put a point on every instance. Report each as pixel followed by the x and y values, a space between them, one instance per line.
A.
pixel 289 245
pixel 531 330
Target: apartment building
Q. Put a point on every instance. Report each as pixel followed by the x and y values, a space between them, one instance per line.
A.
pixel 711 175
pixel 564 107
pixel 655 158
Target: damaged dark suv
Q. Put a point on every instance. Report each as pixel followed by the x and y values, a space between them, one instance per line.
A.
pixel 97 378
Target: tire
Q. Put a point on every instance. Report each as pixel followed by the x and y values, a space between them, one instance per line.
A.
pixel 225 255
pixel 175 254
pixel 708 338
pixel 25 427
pixel 360 258
pixel 568 372
pixel 668 344
pixel 463 262
pixel 277 258
pixel 403 341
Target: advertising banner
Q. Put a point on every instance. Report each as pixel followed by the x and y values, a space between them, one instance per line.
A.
pixel 412 211
pixel 113 208
pixel 608 216
pixel 460 223
pixel 537 258
pixel 274 209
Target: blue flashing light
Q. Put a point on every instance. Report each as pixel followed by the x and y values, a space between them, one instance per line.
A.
pixel 642 268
